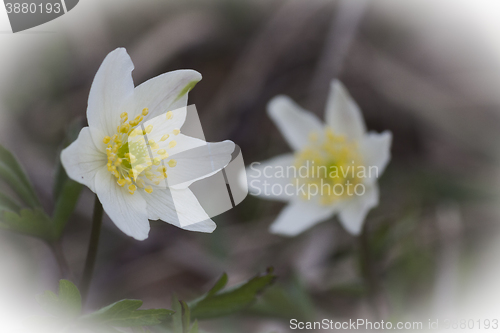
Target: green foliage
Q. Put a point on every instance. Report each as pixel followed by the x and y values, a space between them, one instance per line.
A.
pixel 32 222
pixel 285 301
pixel 66 307
pixel 12 173
pixel 125 313
pixel 28 218
pixel 217 303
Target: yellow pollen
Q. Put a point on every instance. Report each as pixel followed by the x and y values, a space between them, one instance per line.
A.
pixel 128 159
pixel 333 165
pixel 172 144
pixel 172 163
pixel 170 114
pixel 125 128
pixel 176 131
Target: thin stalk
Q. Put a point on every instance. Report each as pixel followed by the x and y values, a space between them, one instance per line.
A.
pixel 92 251
pixel 375 296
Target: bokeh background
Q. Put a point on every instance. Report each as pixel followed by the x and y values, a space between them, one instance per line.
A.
pixel 427 70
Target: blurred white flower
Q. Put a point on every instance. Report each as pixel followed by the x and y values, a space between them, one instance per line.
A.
pixel 118 169
pixel 334 167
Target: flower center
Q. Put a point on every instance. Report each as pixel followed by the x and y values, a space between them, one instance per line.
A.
pixel 135 161
pixel 334 168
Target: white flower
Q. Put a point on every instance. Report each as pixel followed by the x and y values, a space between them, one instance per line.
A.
pixel 129 186
pixel 333 169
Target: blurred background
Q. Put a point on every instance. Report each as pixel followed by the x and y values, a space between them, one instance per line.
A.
pixel 427 70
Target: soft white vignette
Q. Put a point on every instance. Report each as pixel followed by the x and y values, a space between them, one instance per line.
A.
pixel 482 19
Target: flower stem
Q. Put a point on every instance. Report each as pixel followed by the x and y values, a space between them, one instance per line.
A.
pixel 375 296
pixel 92 251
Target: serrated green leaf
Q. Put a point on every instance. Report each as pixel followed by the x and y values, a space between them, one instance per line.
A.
pixel 12 173
pixel 32 222
pixel 125 313
pixel 66 305
pixel 230 301
pixel 70 297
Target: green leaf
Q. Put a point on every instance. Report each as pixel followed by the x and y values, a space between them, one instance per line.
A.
pixel 7 203
pixel 177 316
pixel 289 301
pixel 194 329
pixel 227 302
pixel 186 317
pixel 12 173
pixel 68 304
pixel 125 313
pixel 70 297
pixel 33 222
pixel 221 283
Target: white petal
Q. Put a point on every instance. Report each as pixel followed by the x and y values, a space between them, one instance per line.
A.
pixel 353 213
pixel 179 208
pixel 112 87
pixel 127 211
pixel 343 114
pixel 198 162
pixel 164 93
pixel 82 159
pixel 376 150
pixel 182 142
pixel 294 123
pixel 299 216
pixel 265 179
